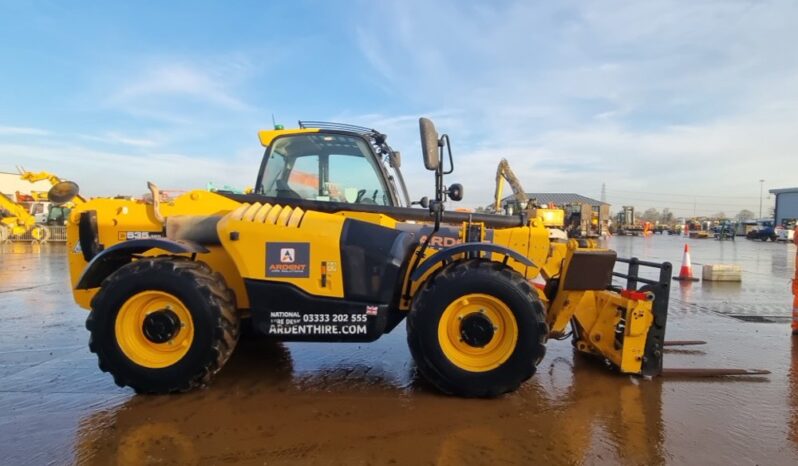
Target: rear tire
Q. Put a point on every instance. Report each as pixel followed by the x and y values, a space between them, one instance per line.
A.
pixel 195 339
pixel 465 296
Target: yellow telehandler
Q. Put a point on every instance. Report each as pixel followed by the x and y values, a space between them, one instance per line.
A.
pixel 329 248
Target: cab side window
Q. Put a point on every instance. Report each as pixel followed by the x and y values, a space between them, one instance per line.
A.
pixel 303 178
pixel 324 167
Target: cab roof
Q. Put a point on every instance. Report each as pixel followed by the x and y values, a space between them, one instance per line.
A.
pixel 267 136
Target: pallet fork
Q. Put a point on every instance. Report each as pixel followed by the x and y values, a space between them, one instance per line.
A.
pixel 656 344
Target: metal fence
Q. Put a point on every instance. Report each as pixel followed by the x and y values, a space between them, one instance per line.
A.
pixel 57 234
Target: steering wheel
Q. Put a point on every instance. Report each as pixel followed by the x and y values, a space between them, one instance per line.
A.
pixel 360 194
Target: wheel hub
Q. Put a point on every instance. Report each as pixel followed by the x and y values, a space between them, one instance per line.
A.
pixel 476 330
pixel 161 326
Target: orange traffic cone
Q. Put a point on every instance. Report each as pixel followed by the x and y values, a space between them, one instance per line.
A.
pixel 686 272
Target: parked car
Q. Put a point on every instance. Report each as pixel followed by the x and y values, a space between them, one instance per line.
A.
pixel 763 231
pixel 785 232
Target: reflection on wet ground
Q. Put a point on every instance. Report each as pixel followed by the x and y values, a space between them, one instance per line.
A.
pixel 364 404
pixel 767 270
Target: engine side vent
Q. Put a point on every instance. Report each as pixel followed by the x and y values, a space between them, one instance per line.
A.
pixel 266 213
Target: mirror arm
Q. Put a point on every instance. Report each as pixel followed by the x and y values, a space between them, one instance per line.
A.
pixel 436 209
pixel 448 144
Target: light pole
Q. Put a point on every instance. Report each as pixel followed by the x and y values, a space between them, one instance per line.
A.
pixel 761 185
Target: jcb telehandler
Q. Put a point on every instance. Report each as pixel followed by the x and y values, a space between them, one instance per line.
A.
pixel 328 248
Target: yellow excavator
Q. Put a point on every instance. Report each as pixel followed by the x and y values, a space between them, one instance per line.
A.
pixel 573 220
pixel 15 220
pixel 504 172
pixel 552 218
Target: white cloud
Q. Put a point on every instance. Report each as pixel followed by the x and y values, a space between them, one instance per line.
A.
pixel 108 173
pixel 170 104
pixel 691 99
pixel 685 98
pixel 178 91
pixel 177 79
pixel 22 131
pixel 117 138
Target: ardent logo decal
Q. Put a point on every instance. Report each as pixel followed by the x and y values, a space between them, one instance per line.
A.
pixel 288 260
pixel 287 255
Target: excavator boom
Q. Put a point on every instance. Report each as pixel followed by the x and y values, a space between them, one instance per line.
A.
pixel 504 172
pixel 47 176
pixel 14 218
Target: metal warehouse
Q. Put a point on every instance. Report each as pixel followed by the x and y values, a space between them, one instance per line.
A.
pixel 786 211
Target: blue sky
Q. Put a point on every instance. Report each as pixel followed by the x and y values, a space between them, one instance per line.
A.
pixel 668 103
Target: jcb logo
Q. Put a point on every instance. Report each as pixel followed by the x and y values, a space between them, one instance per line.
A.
pixel 287 255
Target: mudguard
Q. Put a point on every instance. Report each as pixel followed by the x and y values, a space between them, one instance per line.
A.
pixel 108 261
pixel 468 248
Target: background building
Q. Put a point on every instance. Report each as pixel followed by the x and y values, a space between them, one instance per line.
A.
pixel 786 205
pixel 10 183
pixel 562 199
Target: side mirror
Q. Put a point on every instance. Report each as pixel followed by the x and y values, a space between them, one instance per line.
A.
pixel 423 202
pixel 455 192
pixel 63 192
pixel 429 144
pixel 395 159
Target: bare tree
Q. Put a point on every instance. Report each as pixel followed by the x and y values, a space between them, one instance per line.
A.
pixel 744 215
pixel 666 217
pixel 650 215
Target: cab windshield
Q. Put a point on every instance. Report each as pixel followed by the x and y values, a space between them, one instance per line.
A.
pixel 323 167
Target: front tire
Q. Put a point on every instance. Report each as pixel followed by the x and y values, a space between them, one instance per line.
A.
pixel 477 329
pixel 162 325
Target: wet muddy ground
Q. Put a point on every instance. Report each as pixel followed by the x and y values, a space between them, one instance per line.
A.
pixel 364 404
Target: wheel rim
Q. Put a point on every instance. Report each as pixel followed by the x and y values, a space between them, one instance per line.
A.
pixel 154 329
pixel 466 341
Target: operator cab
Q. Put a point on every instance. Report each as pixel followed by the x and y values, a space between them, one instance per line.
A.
pixel 329 166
